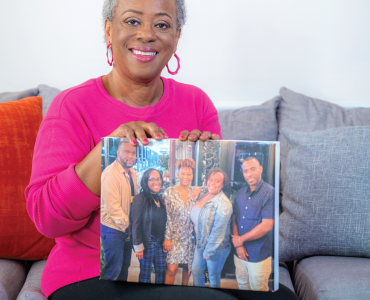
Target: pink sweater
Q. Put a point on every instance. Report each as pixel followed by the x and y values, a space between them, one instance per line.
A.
pixel 57 201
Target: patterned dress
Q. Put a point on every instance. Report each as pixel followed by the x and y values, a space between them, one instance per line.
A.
pixel 179 227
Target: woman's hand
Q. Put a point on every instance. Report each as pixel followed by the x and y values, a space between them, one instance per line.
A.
pixel 198 135
pixel 139 130
pixel 167 246
pixel 195 193
pixel 140 255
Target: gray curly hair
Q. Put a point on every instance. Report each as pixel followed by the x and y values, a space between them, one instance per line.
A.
pixel 110 5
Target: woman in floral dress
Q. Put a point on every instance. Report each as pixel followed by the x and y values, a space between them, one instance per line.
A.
pixel 179 201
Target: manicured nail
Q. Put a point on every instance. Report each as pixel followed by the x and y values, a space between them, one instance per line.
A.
pixel 134 142
pixel 165 133
pixel 192 135
pixel 203 135
pixel 145 141
pixel 158 135
pixel 182 136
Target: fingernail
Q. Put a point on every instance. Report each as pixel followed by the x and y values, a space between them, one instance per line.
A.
pixel 145 141
pixel 182 136
pixel 134 142
pixel 158 135
pixel 192 135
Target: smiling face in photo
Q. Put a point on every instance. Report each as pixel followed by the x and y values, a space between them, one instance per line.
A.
pixel 126 155
pixel 186 176
pixel 215 183
pixel 155 182
pixel 252 172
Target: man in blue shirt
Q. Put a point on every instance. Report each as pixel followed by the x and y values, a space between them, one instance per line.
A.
pixel 253 223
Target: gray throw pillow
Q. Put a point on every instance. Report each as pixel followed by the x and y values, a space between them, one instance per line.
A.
pixel 303 113
pixel 47 94
pixel 13 96
pixel 327 196
pixel 254 123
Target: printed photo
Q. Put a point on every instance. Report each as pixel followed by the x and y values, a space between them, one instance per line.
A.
pixel 192 214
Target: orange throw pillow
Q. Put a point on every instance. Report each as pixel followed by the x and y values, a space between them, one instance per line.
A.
pixel 19 123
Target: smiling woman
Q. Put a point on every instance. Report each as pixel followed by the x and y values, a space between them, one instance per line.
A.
pixel 133 101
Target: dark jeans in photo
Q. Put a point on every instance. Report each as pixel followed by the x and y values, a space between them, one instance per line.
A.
pixel 153 256
pixel 117 253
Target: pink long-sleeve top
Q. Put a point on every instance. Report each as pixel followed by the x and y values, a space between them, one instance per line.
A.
pixel 57 201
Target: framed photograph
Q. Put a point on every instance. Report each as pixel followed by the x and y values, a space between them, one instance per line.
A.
pixel 195 214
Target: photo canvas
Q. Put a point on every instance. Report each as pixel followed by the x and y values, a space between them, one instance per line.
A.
pixel 191 213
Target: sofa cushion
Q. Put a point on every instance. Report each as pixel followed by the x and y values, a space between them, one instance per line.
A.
pixel 284 278
pixel 303 113
pixel 254 123
pixel 326 202
pixel 13 96
pixel 12 276
pixel 47 93
pixel 332 278
pixel 19 123
pixel 31 289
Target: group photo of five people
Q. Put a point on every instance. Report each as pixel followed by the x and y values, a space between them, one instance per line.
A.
pixel 195 228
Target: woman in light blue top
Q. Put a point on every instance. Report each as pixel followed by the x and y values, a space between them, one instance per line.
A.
pixel 211 217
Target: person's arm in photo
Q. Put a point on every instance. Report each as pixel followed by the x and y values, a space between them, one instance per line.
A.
pixel 219 229
pixel 241 252
pixel 110 193
pixel 168 233
pixel 266 225
pixel 137 225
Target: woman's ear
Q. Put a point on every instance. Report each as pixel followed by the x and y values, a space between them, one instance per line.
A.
pixel 108 31
pixel 177 37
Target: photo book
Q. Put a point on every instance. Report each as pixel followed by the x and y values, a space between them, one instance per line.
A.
pixel 191 213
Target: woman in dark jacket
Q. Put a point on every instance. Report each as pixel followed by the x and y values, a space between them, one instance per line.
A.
pixel 148 220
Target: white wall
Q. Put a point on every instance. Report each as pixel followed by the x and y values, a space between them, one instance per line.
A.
pixel 239 51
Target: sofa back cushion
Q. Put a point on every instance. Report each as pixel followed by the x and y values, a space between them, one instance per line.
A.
pixel 253 123
pixel 19 123
pixel 327 195
pixel 303 113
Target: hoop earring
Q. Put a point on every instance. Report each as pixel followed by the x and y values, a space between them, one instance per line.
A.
pixel 178 66
pixel 111 51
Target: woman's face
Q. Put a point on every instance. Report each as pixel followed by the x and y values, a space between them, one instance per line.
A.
pixel 143 36
pixel 154 182
pixel 215 183
pixel 186 176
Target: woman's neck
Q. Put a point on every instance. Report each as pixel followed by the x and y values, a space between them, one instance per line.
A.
pixel 133 93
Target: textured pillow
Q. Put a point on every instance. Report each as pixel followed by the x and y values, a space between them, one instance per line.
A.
pixel 19 123
pixel 327 196
pixel 302 113
pixel 13 96
pixel 255 123
pixel 47 93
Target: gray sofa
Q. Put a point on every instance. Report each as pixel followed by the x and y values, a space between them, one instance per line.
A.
pixel 324 230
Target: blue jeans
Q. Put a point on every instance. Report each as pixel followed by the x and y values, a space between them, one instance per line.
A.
pixel 214 266
pixel 117 253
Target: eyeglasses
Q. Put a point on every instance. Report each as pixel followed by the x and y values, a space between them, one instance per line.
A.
pixel 155 179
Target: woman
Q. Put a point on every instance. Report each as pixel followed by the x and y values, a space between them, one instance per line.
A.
pixel 179 202
pixel 148 221
pixel 211 218
pixel 132 101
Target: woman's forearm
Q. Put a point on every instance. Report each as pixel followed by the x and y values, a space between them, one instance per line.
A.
pixel 89 170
